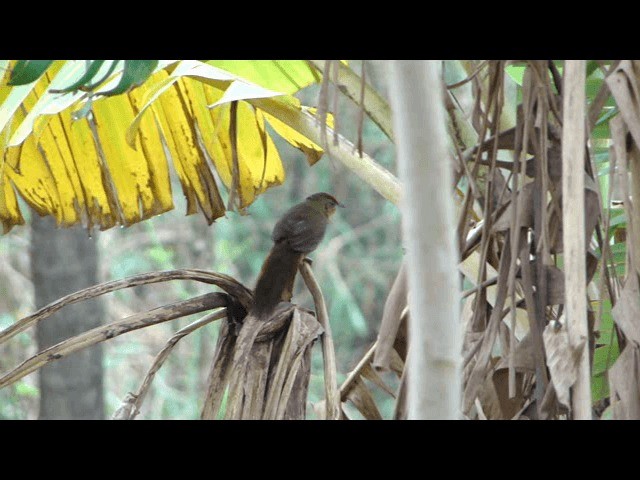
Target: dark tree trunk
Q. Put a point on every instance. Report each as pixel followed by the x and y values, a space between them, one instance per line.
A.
pixel 63 261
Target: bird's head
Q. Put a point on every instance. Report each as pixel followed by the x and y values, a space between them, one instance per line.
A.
pixel 324 202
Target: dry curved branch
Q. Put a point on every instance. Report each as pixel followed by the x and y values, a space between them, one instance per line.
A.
pixel 328 351
pixel 105 332
pixel 469 77
pixel 225 282
pixel 133 402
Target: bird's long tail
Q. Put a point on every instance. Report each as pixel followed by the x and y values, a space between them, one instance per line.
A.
pixel 275 282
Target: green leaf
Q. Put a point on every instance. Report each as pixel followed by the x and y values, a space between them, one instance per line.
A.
pixel 606 326
pixel 25 390
pixel 618 218
pixel 603 358
pixel 135 72
pixel 93 85
pixel 592 87
pixel 599 388
pixel 50 103
pixel 592 66
pixel 162 256
pixel 28 71
pixel 92 69
pixel 601 157
pixel 516 72
pixel 609 113
pixel 601 131
pixel 619 249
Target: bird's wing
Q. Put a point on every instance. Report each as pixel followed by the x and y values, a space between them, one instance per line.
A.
pixel 303 230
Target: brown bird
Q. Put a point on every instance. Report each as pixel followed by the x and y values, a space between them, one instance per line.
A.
pixel 297 233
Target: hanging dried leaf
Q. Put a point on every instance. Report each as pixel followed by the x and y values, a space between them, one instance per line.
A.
pixel 524 359
pixel 363 400
pixel 370 374
pixel 562 360
pixel 488 401
pixel 555 283
pixel 591 219
pixel 525 206
pixel 479 371
pixel 624 381
pixel 626 311
pixel 400 412
pixel 624 88
pixel 509 407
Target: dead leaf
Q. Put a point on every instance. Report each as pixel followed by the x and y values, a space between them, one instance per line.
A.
pixel 397 361
pixel 562 360
pixel 554 162
pixel 488 398
pixel 624 382
pixel 524 359
pixel 626 311
pixel 391 317
pixel 400 411
pixel 624 88
pixel 363 400
pixel 478 373
pixel 555 283
pixel 509 407
pixel 592 265
pixel 591 218
pixel 370 374
pixel 526 211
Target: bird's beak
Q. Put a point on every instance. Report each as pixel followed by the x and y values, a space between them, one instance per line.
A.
pixel 341 205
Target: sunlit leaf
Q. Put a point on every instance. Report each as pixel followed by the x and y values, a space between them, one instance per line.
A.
pixel 286 76
pixel 85 158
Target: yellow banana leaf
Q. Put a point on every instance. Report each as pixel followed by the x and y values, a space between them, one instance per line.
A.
pixel 112 166
pixel 286 76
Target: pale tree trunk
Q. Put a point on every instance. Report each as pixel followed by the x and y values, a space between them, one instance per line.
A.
pixel 63 261
pixel 573 151
pixel 428 226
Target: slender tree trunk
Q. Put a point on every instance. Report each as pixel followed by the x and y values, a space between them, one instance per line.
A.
pixel 573 150
pixel 63 261
pixel 434 359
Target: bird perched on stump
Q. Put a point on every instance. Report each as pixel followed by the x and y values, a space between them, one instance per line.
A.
pixel 297 233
